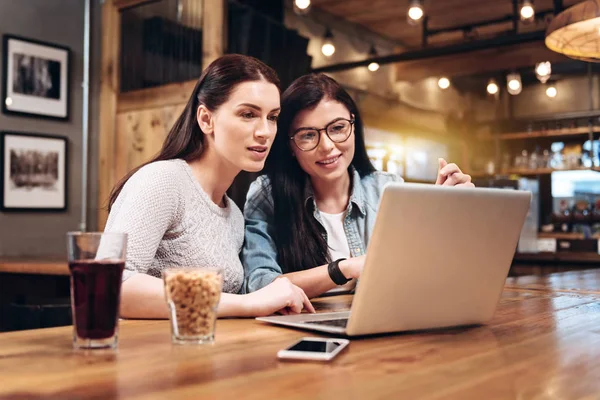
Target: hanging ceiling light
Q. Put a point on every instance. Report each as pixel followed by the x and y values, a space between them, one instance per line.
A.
pixel 328 47
pixel 513 83
pixel 373 67
pixel 574 32
pixel 373 53
pixel 492 87
pixel 527 11
pixel 551 91
pixel 301 7
pixel 415 11
pixel 543 70
pixel 444 83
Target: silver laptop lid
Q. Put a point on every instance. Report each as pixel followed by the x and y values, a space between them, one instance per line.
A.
pixel 438 257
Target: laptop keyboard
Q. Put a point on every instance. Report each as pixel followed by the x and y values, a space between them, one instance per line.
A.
pixel 340 322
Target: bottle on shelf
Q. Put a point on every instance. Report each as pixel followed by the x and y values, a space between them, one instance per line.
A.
pixel 581 211
pixel 586 160
pixel 562 218
pixel 557 158
pixel 522 160
pixel 505 162
pixel 545 160
pixel 534 159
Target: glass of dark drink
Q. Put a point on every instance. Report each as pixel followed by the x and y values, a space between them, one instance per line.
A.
pixel 96 263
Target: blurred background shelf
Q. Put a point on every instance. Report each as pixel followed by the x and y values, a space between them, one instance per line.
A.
pixel 529 172
pixel 580 131
pixel 559 257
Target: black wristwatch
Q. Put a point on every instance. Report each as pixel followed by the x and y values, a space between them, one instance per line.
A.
pixel 335 273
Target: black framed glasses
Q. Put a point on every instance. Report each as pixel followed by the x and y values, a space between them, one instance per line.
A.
pixel 337 131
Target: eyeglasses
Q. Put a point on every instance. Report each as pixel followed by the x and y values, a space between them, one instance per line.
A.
pixel 337 131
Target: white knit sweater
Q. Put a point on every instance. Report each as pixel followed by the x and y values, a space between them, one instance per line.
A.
pixel 171 221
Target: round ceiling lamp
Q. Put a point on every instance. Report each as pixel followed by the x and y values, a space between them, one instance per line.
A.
pixel 328 48
pixel 543 70
pixel 302 7
pixel 444 83
pixel 373 66
pixel 415 12
pixel 513 83
pixel 492 87
pixel 527 11
pixel 574 32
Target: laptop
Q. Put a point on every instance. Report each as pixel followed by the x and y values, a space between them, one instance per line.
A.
pixel 438 257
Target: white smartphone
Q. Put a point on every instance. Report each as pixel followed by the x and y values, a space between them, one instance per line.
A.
pixel 314 348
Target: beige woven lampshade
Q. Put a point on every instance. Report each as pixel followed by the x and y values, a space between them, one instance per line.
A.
pixel 575 32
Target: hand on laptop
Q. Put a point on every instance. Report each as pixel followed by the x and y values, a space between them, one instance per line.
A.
pixel 352 267
pixel 281 296
pixel 451 175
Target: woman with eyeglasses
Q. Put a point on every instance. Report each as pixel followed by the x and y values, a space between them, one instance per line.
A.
pixel 310 217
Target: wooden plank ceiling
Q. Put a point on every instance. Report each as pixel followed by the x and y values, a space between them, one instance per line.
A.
pixel 388 19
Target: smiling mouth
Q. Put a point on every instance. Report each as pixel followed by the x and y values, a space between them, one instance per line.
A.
pixel 258 149
pixel 330 160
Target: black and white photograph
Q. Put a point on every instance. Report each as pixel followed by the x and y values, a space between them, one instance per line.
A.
pixel 33 172
pixel 35 78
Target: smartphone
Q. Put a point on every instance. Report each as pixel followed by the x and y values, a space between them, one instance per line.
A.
pixel 313 348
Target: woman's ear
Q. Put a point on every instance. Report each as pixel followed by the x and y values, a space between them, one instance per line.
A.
pixel 205 120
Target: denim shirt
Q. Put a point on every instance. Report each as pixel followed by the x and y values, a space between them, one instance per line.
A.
pixel 259 253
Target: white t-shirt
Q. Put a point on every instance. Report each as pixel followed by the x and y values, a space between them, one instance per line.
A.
pixel 337 242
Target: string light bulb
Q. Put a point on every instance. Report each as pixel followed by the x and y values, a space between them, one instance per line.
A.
pixel 328 48
pixel 514 83
pixel 527 11
pixel 373 53
pixel 543 70
pixel 415 12
pixel 302 7
pixel 373 67
pixel 492 87
pixel 551 91
pixel 444 83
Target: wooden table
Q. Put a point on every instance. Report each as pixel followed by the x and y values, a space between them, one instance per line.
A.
pixel 543 343
pixel 582 282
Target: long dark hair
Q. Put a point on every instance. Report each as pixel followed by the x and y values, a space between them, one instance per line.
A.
pixel 298 236
pixel 185 139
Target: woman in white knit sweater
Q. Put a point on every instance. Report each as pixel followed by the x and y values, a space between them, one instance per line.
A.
pixel 175 208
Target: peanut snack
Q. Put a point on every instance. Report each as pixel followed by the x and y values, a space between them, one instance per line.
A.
pixel 193 296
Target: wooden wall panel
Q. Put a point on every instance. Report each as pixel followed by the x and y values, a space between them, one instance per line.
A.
pixel 161 96
pixel 140 134
pixel 213 31
pixel 109 89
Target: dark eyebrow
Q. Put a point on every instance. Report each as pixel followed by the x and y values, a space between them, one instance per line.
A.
pixel 306 128
pixel 257 108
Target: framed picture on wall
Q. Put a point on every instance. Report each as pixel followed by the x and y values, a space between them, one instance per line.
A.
pixel 35 78
pixel 33 171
